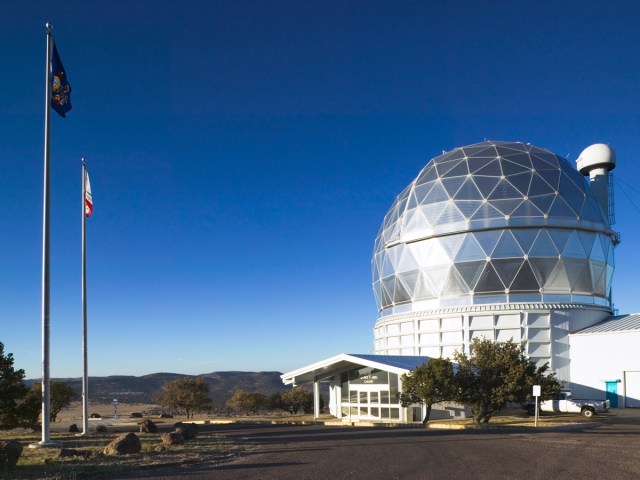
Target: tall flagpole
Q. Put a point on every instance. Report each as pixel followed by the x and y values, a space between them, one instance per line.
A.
pixel 85 372
pixel 45 253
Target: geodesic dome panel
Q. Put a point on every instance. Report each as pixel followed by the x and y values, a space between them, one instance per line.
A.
pixel 489 220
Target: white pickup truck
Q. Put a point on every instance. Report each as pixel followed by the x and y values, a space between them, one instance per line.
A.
pixel 564 403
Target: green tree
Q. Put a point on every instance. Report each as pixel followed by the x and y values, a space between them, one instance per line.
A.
pixel 61 394
pixel 497 373
pixel 188 394
pixel 429 383
pixel 12 391
pixel 246 402
pixel 30 408
pixel 295 400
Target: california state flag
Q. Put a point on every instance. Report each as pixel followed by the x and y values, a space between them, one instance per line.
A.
pixel 88 201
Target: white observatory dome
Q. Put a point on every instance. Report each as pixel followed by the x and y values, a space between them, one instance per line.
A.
pixel 495 222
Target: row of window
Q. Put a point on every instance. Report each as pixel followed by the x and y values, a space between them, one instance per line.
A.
pixel 383 413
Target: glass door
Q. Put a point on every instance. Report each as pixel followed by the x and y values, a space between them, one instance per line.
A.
pixel 369 405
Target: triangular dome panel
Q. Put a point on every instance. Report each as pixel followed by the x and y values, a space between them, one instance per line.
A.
pixel 436 277
pixel 557 281
pixel 525 237
pixel 521 182
pixel 470 272
pixel 486 185
pixel 526 210
pixel 400 293
pixel 450 214
pixel 525 280
pixel 470 250
pixel 511 168
pixel 491 169
pixel 452 184
pixel 489 281
pixel 507 269
pixel 504 190
pixel 543 268
pixel 454 284
pixel 539 186
pixel 488 240
pixel 579 275
pixel 507 247
pixel 468 191
pixel 436 194
pixel 573 247
pixel 427 175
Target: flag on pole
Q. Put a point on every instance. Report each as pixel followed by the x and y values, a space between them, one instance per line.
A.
pixel 60 88
pixel 88 201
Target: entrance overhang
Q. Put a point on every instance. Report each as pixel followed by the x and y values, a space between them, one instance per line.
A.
pixel 399 364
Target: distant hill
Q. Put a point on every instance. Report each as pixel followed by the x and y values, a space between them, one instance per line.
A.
pixel 130 389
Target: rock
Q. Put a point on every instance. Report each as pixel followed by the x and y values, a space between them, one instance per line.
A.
pixel 124 445
pixel 95 415
pixel 73 428
pixel 10 451
pixel 100 429
pixel 166 415
pixel 135 415
pixel 172 438
pixel 188 430
pixel 72 452
pixel 148 427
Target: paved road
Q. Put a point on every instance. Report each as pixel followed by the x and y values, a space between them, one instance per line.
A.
pixel 610 451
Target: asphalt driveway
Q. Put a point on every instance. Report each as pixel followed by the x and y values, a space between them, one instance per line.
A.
pixel 610 450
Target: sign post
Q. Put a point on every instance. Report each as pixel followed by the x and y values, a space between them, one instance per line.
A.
pixel 536 393
pixel 115 408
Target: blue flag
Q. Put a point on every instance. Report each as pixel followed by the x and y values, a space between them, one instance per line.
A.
pixel 60 88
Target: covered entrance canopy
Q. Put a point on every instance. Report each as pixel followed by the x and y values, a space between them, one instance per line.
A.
pixel 361 386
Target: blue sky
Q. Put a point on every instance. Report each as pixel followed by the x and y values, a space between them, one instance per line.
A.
pixel 243 154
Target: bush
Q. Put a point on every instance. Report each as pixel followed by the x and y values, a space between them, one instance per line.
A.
pixel 246 402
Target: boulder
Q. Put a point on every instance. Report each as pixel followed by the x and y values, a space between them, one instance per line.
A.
pixel 73 428
pixel 95 415
pixel 148 427
pixel 135 415
pixel 100 429
pixel 166 415
pixel 124 445
pixel 10 451
pixel 172 438
pixel 187 430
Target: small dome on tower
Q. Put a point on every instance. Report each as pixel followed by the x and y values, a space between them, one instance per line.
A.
pixel 596 156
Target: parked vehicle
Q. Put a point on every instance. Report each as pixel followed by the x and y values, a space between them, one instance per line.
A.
pixel 564 403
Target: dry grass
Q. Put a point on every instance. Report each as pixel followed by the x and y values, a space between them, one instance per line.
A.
pixel 206 450
pixel 516 420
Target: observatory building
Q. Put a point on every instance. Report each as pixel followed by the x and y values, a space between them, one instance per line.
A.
pixel 497 240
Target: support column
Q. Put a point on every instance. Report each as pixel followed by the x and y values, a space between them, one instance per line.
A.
pixel 316 398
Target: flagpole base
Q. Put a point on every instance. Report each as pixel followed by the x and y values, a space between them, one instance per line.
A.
pixel 47 444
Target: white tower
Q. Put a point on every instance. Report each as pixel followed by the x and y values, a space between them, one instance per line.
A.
pixel 596 161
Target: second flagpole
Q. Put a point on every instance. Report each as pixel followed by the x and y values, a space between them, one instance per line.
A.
pixel 85 368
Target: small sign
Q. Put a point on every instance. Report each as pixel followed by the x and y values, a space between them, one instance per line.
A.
pixel 536 390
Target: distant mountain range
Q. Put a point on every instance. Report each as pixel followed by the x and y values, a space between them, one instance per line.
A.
pixel 130 389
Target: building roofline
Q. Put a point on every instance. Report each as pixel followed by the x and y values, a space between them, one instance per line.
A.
pixel 344 361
